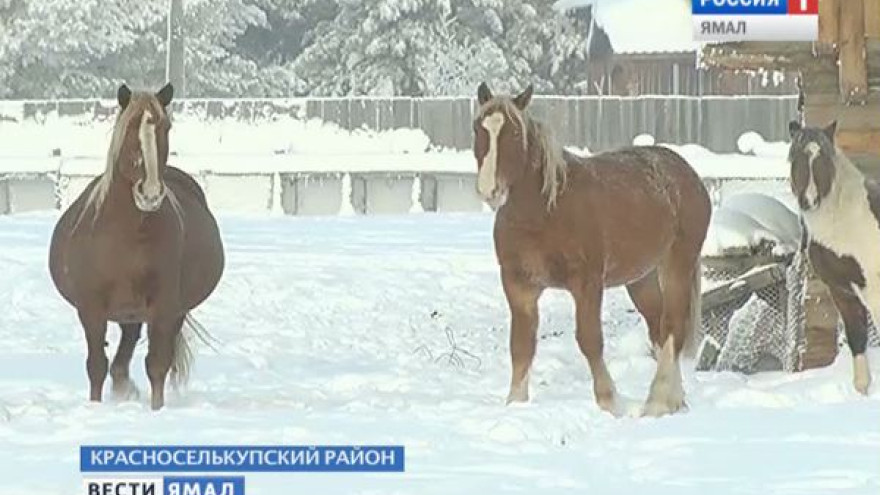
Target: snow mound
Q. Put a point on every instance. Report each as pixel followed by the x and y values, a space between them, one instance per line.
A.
pixel 750 222
pixel 747 143
pixel 76 137
pixel 752 143
pixel 770 213
pixel 643 140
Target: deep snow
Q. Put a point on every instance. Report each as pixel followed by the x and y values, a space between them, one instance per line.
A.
pixel 327 338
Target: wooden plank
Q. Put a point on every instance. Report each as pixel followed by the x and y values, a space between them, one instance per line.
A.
pixel 862 142
pixel 753 281
pixel 821 325
pixel 873 51
pixel 853 66
pixel 821 110
pixel 829 15
pixel 752 55
pixel 872 19
pixel 822 79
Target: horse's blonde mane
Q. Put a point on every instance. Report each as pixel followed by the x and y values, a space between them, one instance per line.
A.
pixel 139 101
pixel 544 153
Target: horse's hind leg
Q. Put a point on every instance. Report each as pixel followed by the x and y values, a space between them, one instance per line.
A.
pixel 855 322
pixel 648 299
pixel 678 282
pixel 95 326
pixel 588 312
pixel 123 387
pixel 160 354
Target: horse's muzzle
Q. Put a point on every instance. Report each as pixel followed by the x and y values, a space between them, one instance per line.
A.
pixel 146 201
pixel 496 198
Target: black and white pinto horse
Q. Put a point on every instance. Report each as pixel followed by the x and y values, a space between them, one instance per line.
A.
pixel 840 211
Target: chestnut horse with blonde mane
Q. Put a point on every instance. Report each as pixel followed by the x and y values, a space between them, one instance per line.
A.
pixel 139 245
pixel 637 217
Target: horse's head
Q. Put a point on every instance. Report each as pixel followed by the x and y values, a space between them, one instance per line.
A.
pixel 140 144
pixel 500 143
pixel 811 155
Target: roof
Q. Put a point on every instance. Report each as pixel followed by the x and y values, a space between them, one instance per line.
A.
pixel 642 26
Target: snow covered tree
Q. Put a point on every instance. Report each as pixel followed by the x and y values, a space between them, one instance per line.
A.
pixel 85 48
pixel 377 47
pixel 428 47
pixel 213 67
pixel 286 32
pixel 62 48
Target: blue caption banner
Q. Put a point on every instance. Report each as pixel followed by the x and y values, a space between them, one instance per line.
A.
pixel 739 7
pixel 204 485
pixel 237 459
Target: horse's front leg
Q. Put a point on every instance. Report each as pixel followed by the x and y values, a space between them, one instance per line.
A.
pixel 855 323
pixel 587 294
pixel 162 333
pixel 94 324
pixel 522 298
pixel 123 386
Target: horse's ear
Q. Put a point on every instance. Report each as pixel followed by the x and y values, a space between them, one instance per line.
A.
pixel 166 94
pixel 484 94
pixel 123 96
pixel 522 101
pixel 794 127
pixel 830 130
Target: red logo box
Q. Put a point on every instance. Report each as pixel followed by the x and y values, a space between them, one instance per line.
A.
pixel 803 7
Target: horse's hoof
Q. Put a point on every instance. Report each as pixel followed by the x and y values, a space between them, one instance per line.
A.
pixel 861 374
pixel 862 385
pixel 658 408
pixel 609 405
pixel 126 391
pixel 516 398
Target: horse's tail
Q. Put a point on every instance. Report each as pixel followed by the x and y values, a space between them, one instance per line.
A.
pixel 693 326
pixel 182 360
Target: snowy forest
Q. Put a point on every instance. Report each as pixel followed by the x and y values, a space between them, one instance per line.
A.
pixel 281 48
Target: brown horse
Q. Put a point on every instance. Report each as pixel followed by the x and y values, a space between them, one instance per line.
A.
pixel 139 245
pixel 636 217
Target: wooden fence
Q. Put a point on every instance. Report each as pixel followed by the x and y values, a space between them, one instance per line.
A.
pixel 597 123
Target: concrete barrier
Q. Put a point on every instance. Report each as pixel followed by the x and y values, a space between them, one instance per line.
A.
pixel 312 194
pixel 379 193
pixel 247 193
pixel 324 193
pixel 27 192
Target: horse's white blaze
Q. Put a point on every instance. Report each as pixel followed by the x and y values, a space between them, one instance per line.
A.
pixel 486 180
pixel 147 133
pixel 812 192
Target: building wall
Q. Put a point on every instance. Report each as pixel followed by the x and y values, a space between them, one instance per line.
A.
pixel 680 74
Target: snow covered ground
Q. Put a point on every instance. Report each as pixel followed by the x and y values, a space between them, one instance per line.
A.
pixel 328 338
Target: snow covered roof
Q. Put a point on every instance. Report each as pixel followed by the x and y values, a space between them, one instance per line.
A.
pixel 642 26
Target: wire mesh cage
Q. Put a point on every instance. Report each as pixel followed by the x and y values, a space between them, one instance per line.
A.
pixel 754 314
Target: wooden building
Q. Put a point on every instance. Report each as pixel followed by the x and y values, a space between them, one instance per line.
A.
pixel 630 56
pixel 680 73
pixel 839 74
pixel 840 80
